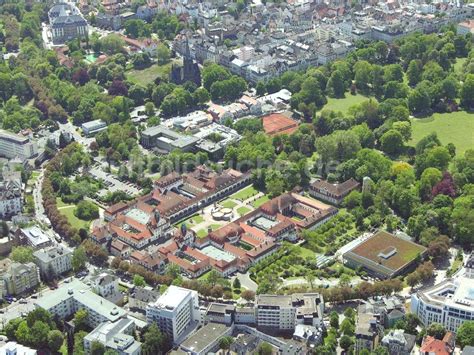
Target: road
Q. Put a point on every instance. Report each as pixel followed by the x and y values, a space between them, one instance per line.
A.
pixel 247 282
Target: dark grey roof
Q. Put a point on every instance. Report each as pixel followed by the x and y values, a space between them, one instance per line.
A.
pixel 71 19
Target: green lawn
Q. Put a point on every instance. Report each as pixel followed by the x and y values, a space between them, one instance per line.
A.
pixel 260 201
pixel 148 75
pixel 228 203
pixel 244 194
pixel 203 232
pixel 68 212
pixel 458 65
pixel 243 210
pixel 191 221
pixel 303 252
pixel 456 128
pixel 344 104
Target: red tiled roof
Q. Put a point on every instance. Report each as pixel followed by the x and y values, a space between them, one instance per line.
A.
pixel 433 346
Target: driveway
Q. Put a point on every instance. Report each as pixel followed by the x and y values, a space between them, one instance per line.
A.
pixel 247 282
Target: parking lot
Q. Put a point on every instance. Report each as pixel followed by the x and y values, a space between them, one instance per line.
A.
pixel 112 183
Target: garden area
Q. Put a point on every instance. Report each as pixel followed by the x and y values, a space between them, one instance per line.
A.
pixel 242 211
pixel 332 235
pixel 343 104
pixel 245 193
pixel 80 215
pixel 260 201
pixel 149 75
pixel 454 127
pixel 202 233
pixel 192 221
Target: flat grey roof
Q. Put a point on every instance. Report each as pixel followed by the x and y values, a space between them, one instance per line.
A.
pixel 82 294
pixel 204 336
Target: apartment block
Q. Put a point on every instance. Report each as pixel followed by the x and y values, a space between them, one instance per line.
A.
pixel 68 299
pixel 53 261
pixel 14 145
pixel 19 278
pixel 176 312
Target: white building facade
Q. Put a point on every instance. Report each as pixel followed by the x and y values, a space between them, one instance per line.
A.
pixel 13 145
pixel 175 311
pixel 450 303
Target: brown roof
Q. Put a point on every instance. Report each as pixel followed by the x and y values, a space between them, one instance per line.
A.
pixel 228 231
pixel 338 190
pixel 433 346
pixel 398 252
pixel 119 206
pixel 276 123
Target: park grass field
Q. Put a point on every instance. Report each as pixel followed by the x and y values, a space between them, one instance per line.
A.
pixel 203 232
pixel 456 128
pixel 344 104
pixel 68 211
pixel 148 75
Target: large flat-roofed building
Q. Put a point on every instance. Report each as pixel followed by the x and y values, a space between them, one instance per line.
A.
pixel 283 312
pixel 116 336
pixel 450 303
pixel 166 140
pixel 53 261
pixel 93 127
pixel 176 312
pixel 332 193
pixel 205 340
pixel 75 295
pixel 14 145
pixel 384 255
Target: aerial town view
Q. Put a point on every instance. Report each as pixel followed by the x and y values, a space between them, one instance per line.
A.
pixel 236 177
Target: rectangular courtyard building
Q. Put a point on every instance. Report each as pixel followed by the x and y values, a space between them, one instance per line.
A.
pixel 384 255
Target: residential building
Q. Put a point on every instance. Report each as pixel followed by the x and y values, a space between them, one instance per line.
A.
pixel 384 255
pixel 141 297
pixel 65 301
pixel 116 336
pixel 34 236
pixel 368 332
pixel 11 199
pixel 53 261
pixel 176 312
pixel 398 342
pixel 66 23
pixel 107 286
pixel 92 127
pixel 284 312
pixel 15 145
pixel 465 27
pixel 13 348
pixel 433 346
pixel 19 278
pixel 449 303
pixel 332 193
